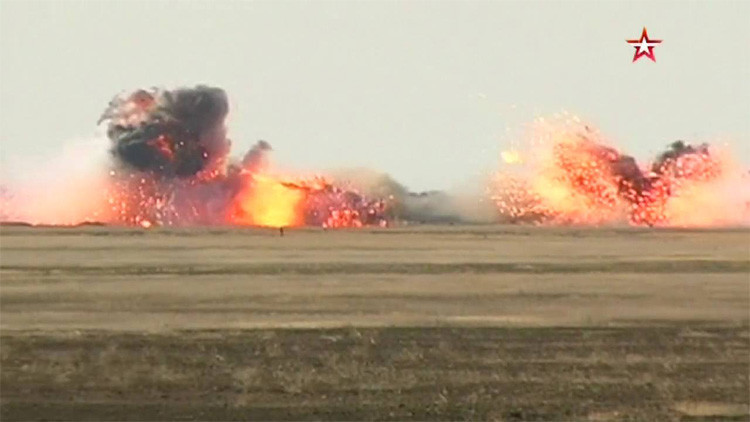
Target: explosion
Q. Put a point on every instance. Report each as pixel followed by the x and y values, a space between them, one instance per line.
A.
pixel 172 168
pixel 573 177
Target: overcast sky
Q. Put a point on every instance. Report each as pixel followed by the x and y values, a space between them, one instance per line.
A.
pixel 422 90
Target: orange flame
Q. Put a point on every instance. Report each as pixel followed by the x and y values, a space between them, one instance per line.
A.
pixel 573 177
pixel 268 202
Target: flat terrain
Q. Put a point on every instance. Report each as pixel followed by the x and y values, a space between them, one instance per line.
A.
pixel 464 322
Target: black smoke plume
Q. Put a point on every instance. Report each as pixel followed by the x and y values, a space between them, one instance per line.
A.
pixel 257 157
pixel 169 133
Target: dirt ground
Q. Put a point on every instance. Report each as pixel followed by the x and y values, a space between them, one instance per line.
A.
pixel 454 322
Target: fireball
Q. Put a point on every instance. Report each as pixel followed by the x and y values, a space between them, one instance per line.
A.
pixel 267 202
pixel 575 177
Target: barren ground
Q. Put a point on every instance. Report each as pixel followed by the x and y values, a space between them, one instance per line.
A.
pixel 464 322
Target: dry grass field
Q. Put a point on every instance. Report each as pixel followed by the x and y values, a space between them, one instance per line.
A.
pixel 449 323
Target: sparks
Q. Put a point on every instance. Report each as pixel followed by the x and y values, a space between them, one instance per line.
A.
pixel 577 179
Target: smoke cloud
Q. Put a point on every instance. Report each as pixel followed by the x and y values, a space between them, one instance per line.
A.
pixel 171 166
pixel 170 133
pixel 175 168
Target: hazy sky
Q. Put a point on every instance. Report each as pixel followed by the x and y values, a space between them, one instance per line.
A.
pixel 422 90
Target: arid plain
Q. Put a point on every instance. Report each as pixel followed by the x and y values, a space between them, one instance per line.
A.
pixel 433 322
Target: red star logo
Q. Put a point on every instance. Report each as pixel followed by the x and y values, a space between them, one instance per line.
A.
pixel 644 46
